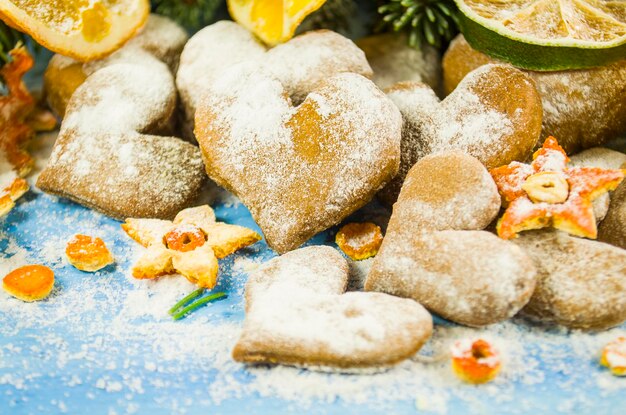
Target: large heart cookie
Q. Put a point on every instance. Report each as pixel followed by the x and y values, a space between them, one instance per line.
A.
pixel 298 169
pixel 494 115
pixel 435 252
pixel 107 155
pixel 583 108
pixel 297 314
pixel 581 284
pixel 300 64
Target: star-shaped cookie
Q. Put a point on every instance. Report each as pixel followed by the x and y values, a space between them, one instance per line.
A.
pixel 189 245
pixel 548 193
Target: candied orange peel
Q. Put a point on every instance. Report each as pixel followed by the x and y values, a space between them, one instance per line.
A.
pixel 475 361
pixel 189 245
pixel 184 238
pixel 359 240
pixel 29 283
pixel 548 193
pixel 19 120
pixel 88 253
pixel 614 356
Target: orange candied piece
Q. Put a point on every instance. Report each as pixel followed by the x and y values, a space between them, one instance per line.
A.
pixel 359 240
pixel 29 283
pixel 10 194
pixel 614 356
pixel 87 253
pixel 184 238
pixel 475 361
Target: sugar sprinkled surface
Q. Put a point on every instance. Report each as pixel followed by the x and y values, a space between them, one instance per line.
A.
pixel 105 340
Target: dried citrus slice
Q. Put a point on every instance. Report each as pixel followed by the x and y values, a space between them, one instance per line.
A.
pixel 547 34
pixel 273 21
pixel 29 283
pixel 82 29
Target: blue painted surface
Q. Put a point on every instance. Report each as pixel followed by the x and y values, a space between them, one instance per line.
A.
pixel 33 381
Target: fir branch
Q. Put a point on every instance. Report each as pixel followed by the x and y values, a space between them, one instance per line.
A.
pixel 334 15
pixel 426 21
pixel 9 39
pixel 191 14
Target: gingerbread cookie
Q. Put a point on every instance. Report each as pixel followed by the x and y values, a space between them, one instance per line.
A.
pixel 494 115
pixel 300 64
pixel 297 314
pixel 298 169
pixel 581 284
pixel 160 37
pixel 435 253
pixel 584 108
pixel 108 156
pixel 393 60
pixel 613 228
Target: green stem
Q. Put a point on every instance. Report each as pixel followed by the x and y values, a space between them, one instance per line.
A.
pixel 185 300
pixel 197 304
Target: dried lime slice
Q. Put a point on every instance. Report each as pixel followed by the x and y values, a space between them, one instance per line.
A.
pixel 547 35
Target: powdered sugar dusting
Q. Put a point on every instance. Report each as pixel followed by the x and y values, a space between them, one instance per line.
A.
pixel 105 340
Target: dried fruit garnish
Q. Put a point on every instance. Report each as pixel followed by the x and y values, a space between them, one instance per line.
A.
pixel 20 119
pixel 475 361
pixel 548 193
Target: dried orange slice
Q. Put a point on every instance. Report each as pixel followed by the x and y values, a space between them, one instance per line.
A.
pixel 29 283
pixel 82 29
pixel 87 253
pixel 273 21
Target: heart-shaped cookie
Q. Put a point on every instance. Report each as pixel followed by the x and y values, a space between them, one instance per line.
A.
pixel 581 283
pixel 582 108
pixel 494 115
pixel 161 37
pixel 300 64
pixel 298 169
pixel 106 157
pixel 297 314
pixel 435 252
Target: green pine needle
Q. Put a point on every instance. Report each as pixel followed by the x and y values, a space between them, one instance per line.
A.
pixel 195 294
pixel 196 304
pixel 427 21
pixel 191 14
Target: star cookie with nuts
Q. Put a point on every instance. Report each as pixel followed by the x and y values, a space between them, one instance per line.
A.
pixel 548 193
pixel 189 245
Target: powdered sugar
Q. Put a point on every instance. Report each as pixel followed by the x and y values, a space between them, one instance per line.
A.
pixel 106 342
